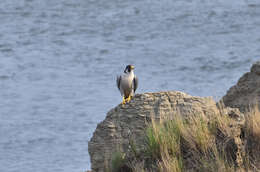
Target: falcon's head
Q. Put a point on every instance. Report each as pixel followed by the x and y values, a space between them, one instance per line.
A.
pixel 129 68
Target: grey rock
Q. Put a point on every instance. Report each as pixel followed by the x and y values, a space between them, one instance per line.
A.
pixel 246 93
pixel 130 121
pixel 256 68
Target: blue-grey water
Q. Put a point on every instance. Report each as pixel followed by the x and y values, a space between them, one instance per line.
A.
pixel 59 60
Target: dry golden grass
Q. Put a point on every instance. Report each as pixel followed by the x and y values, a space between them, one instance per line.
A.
pixel 170 163
pixel 252 140
pixel 191 141
pixel 252 124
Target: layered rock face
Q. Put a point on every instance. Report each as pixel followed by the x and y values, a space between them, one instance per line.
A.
pixel 246 93
pixel 129 122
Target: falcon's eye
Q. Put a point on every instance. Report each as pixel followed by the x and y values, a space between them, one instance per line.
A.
pixel 128 68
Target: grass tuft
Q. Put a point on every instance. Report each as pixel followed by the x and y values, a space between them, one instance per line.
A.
pixel 252 140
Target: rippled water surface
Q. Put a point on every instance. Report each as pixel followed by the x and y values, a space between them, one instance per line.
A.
pixel 59 60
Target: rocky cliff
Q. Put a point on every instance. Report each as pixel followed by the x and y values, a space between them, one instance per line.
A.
pixel 246 93
pixel 128 122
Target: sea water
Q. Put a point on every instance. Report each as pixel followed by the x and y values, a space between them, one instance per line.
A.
pixel 59 60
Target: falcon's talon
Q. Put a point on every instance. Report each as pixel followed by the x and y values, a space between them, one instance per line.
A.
pixel 124 101
pixel 128 99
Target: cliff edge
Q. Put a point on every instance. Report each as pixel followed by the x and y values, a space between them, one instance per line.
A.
pixel 128 122
pixel 246 93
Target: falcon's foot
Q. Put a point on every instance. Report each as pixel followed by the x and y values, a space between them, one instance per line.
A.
pixel 124 100
pixel 129 99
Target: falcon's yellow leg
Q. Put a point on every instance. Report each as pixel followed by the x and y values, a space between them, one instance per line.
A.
pixel 129 98
pixel 123 100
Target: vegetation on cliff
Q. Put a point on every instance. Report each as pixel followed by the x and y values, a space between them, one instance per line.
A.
pixel 196 143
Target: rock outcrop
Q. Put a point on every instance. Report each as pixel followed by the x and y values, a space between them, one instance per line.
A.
pixel 129 122
pixel 246 93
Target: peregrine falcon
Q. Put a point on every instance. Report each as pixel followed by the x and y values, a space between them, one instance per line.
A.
pixel 127 83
